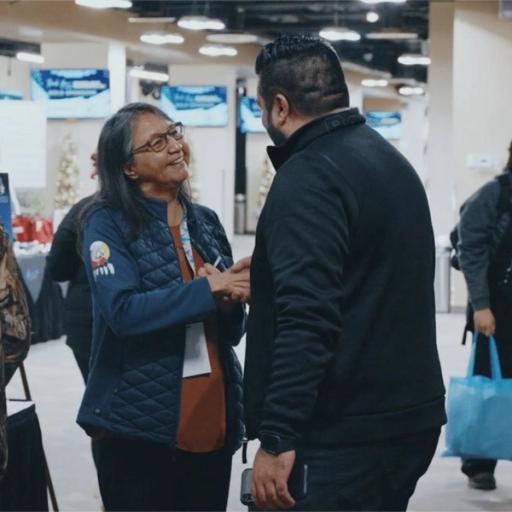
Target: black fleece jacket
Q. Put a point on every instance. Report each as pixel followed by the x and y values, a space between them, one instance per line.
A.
pixel 341 343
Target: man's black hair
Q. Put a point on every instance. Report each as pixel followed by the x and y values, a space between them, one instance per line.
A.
pixel 305 69
pixel 509 163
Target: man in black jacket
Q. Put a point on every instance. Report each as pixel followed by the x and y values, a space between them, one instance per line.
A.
pixel 342 371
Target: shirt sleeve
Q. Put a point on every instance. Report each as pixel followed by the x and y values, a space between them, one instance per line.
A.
pixel 478 219
pixel 307 250
pixel 115 283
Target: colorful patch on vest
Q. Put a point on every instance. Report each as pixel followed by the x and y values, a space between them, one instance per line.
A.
pixel 100 254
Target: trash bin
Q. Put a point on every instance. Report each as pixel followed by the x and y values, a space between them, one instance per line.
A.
pixel 442 279
pixel 240 214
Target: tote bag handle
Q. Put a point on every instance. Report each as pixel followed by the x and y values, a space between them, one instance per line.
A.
pixel 493 352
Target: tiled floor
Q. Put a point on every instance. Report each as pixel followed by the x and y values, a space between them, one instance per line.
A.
pixel 57 388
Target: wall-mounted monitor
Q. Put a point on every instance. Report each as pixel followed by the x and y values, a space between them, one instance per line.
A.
pixel 250 116
pixel 73 93
pixel 11 95
pixel 388 124
pixel 195 105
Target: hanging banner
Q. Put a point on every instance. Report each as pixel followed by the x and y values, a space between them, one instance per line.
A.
pixel 5 204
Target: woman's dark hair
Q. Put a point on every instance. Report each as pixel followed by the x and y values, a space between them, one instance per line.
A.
pixel 509 163
pixel 114 152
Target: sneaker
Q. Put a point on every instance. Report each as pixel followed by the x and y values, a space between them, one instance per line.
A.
pixel 482 481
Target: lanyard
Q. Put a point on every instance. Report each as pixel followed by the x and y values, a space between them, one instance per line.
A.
pixel 186 242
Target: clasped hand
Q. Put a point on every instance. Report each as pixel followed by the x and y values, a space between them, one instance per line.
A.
pixel 229 287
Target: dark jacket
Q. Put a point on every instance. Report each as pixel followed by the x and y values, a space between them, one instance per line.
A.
pixel 341 341
pixel 14 331
pixel 64 263
pixel 141 307
pixel 481 229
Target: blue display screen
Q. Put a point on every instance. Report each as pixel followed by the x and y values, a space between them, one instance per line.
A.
pixel 73 93
pixel 195 105
pixel 250 116
pixel 388 124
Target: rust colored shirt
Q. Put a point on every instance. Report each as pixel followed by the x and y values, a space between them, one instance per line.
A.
pixel 202 423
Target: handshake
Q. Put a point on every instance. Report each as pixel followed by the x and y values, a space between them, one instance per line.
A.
pixel 229 287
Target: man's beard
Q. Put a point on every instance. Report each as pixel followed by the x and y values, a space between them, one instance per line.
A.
pixel 277 137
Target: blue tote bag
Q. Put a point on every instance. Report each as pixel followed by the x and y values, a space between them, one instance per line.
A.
pixel 480 412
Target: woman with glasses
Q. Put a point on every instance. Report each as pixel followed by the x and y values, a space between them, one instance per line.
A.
pixel 163 397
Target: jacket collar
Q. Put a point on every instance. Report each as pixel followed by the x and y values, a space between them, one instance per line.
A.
pixel 311 131
pixel 158 208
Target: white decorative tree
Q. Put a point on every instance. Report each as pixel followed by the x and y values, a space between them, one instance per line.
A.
pixel 267 177
pixel 67 175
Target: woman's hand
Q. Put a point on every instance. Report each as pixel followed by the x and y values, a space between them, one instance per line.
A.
pixel 228 287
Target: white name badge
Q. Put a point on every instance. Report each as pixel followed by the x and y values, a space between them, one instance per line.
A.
pixel 197 361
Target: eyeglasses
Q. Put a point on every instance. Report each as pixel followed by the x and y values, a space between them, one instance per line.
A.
pixel 159 141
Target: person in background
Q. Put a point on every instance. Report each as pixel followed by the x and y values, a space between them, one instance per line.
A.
pixel 485 257
pixel 342 372
pixel 14 332
pixel 163 398
pixel 64 263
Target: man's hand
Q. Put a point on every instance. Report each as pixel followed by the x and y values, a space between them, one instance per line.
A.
pixel 231 285
pixel 270 475
pixel 484 321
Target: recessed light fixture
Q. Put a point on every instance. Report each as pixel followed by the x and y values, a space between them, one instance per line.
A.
pixel 407 90
pixel 217 50
pixel 201 23
pixel 162 38
pixel 231 38
pixel 411 59
pixel 36 58
pixel 372 17
pixel 372 82
pixel 144 74
pixel 390 35
pixel 168 19
pixel 339 34
pixel 384 1
pixel 105 4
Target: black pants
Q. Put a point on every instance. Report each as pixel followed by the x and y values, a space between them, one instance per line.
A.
pixel 140 475
pixel 380 476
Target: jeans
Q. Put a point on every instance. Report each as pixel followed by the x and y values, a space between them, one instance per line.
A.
pixel 379 476
pixel 141 475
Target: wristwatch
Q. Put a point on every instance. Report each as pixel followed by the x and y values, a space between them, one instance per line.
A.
pixel 275 444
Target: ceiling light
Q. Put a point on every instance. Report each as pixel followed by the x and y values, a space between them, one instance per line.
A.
pixel 411 91
pixel 230 38
pixel 212 50
pixel 372 17
pixel 162 38
pixel 200 23
pixel 384 1
pixel 372 82
pixel 339 34
pixel 168 19
pixel 144 74
pixel 30 57
pixel 410 59
pixel 105 4
pixel 388 34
